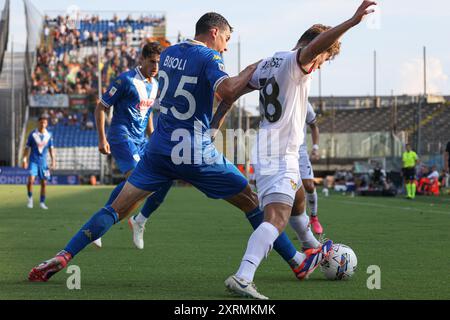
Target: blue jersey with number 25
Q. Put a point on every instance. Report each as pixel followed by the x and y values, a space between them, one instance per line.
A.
pixel 189 75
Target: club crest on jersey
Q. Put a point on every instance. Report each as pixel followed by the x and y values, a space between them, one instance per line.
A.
pixel 221 67
pixel 294 185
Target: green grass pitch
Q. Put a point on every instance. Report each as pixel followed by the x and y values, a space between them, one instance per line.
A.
pixel 192 244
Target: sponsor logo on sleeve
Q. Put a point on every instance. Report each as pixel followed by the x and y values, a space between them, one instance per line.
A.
pixel 112 91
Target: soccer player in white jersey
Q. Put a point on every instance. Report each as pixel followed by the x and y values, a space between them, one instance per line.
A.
pixel 306 170
pixel 284 81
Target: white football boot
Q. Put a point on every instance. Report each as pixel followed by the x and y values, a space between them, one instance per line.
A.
pixel 138 232
pixel 43 206
pixel 30 203
pixel 97 243
pixel 243 288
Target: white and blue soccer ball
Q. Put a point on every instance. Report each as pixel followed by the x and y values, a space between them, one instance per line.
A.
pixel 340 264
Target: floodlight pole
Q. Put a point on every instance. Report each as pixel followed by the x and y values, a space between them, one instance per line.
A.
pixel 375 78
pixel 239 100
pixel 422 101
pixel 99 81
pixel 13 115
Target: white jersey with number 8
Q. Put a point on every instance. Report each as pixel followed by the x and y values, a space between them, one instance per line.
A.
pixel 284 90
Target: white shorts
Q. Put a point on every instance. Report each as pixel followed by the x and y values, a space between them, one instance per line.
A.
pixel 277 181
pixel 306 170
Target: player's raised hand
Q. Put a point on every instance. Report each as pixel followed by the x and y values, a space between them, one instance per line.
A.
pixel 364 9
pixel 103 147
pixel 253 66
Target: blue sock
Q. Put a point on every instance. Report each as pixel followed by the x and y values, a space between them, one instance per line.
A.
pixel 282 244
pixel 30 194
pixel 96 227
pixel 115 193
pixel 154 201
pixel 42 199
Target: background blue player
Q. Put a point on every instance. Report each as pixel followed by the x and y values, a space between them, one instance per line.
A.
pixel 132 94
pixel 191 74
pixel 39 142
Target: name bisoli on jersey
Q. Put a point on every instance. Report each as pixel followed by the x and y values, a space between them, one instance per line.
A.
pixel 272 63
pixel 175 63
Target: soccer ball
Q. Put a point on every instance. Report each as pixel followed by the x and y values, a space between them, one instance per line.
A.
pixel 340 264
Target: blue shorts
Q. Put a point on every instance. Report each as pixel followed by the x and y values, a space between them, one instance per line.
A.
pixel 220 180
pixel 37 170
pixel 127 154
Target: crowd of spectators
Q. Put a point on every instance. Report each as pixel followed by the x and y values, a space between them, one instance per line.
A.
pixel 67 60
pixel 75 74
pixel 69 117
pixel 64 33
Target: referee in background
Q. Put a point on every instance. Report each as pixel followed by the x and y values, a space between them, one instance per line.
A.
pixel 410 160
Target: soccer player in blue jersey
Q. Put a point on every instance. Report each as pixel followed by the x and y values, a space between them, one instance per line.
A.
pixel 132 94
pixel 191 74
pixel 39 142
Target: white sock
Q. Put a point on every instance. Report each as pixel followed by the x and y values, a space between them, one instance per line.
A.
pixel 297 260
pixel 312 202
pixel 140 218
pixel 258 247
pixel 300 224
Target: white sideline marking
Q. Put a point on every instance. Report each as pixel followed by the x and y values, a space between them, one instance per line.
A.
pixel 393 207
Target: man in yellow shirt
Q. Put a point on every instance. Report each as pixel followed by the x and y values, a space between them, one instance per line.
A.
pixel 410 160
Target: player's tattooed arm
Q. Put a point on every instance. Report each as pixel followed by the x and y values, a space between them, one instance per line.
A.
pixel 100 115
pixel 219 117
pixel 222 111
pixel 326 39
pixel 230 89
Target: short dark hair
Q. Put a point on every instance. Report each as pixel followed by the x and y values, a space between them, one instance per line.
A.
pixel 211 20
pixel 43 116
pixel 151 48
pixel 313 32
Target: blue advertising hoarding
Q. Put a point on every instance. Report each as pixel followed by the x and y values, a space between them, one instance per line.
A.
pixel 9 175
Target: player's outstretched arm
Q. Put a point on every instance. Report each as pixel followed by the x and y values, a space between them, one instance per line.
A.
pixel 100 115
pixel 222 111
pixel 230 89
pixel 326 39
